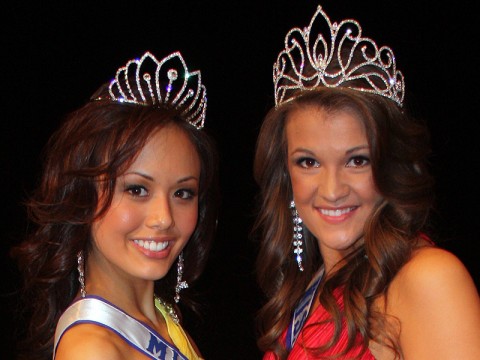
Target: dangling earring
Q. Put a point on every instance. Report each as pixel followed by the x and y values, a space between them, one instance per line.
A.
pixel 81 273
pixel 297 235
pixel 180 284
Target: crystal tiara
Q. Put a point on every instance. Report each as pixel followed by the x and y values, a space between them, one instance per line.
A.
pixel 335 55
pixel 148 81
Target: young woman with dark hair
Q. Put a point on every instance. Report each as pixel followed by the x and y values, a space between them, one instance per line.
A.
pixel 125 215
pixel 345 259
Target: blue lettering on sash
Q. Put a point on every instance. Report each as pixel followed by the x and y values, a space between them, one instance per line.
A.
pixel 299 318
pixel 300 315
pixel 159 350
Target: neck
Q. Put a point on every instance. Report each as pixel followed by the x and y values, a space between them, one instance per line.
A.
pixel 134 296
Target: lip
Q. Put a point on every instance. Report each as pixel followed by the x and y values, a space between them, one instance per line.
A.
pixel 157 248
pixel 336 215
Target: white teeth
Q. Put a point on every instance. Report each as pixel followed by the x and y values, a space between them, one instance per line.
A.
pixel 151 245
pixel 337 212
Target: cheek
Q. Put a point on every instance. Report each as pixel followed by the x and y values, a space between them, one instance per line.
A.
pixel 187 220
pixel 124 216
pixel 118 220
pixel 302 186
pixel 368 190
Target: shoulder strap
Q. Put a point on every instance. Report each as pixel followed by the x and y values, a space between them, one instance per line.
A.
pixel 94 310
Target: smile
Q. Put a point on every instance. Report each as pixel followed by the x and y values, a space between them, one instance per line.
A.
pixel 151 245
pixel 337 212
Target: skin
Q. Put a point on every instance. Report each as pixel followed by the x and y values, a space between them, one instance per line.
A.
pixel 331 175
pixel 155 201
pixel 435 300
pixel 432 299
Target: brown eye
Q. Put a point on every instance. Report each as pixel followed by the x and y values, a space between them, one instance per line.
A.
pixel 307 163
pixel 184 194
pixel 358 161
pixel 137 190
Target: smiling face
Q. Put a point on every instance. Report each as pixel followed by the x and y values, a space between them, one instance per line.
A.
pixel 331 175
pixel 153 212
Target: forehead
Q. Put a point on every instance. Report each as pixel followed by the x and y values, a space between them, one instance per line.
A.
pixel 168 150
pixel 313 125
pixel 312 117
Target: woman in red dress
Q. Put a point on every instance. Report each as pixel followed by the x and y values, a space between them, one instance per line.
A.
pixel 344 259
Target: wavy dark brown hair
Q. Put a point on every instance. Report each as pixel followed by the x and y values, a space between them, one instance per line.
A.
pixel 399 147
pixel 98 141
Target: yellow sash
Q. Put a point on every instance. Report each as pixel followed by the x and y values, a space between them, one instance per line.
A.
pixel 177 334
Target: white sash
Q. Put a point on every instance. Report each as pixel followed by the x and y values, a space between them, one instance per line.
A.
pixel 95 310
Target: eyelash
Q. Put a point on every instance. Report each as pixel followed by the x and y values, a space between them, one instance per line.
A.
pixel 131 189
pixel 302 162
pixel 364 160
pixel 190 194
pixel 184 194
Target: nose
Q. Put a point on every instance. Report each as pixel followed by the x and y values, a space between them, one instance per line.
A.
pixel 333 186
pixel 160 215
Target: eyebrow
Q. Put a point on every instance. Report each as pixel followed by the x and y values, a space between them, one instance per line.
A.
pixel 187 178
pixel 356 148
pixel 349 151
pixel 301 150
pixel 148 177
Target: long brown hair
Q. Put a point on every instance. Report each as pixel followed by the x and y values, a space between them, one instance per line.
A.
pixel 98 141
pixel 399 148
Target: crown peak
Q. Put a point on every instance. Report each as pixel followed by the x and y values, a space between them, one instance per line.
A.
pixel 149 81
pixel 339 57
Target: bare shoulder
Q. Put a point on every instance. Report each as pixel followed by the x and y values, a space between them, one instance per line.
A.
pixel 92 342
pixel 437 304
pixel 434 277
pixel 433 271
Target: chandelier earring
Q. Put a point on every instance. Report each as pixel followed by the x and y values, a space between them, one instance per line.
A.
pixel 181 284
pixel 81 273
pixel 297 235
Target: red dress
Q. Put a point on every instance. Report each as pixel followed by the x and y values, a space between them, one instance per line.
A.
pixel 320 334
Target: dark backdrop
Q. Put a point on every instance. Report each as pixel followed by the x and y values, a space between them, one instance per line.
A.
pixel 56 53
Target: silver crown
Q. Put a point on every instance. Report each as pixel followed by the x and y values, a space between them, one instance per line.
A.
pixel 330 55
pixel 148 81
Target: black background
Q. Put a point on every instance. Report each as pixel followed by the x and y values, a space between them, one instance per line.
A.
pixel 56 53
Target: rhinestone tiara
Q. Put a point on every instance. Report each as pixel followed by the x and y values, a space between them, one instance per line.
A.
pixel 339 57
pixel 148 81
